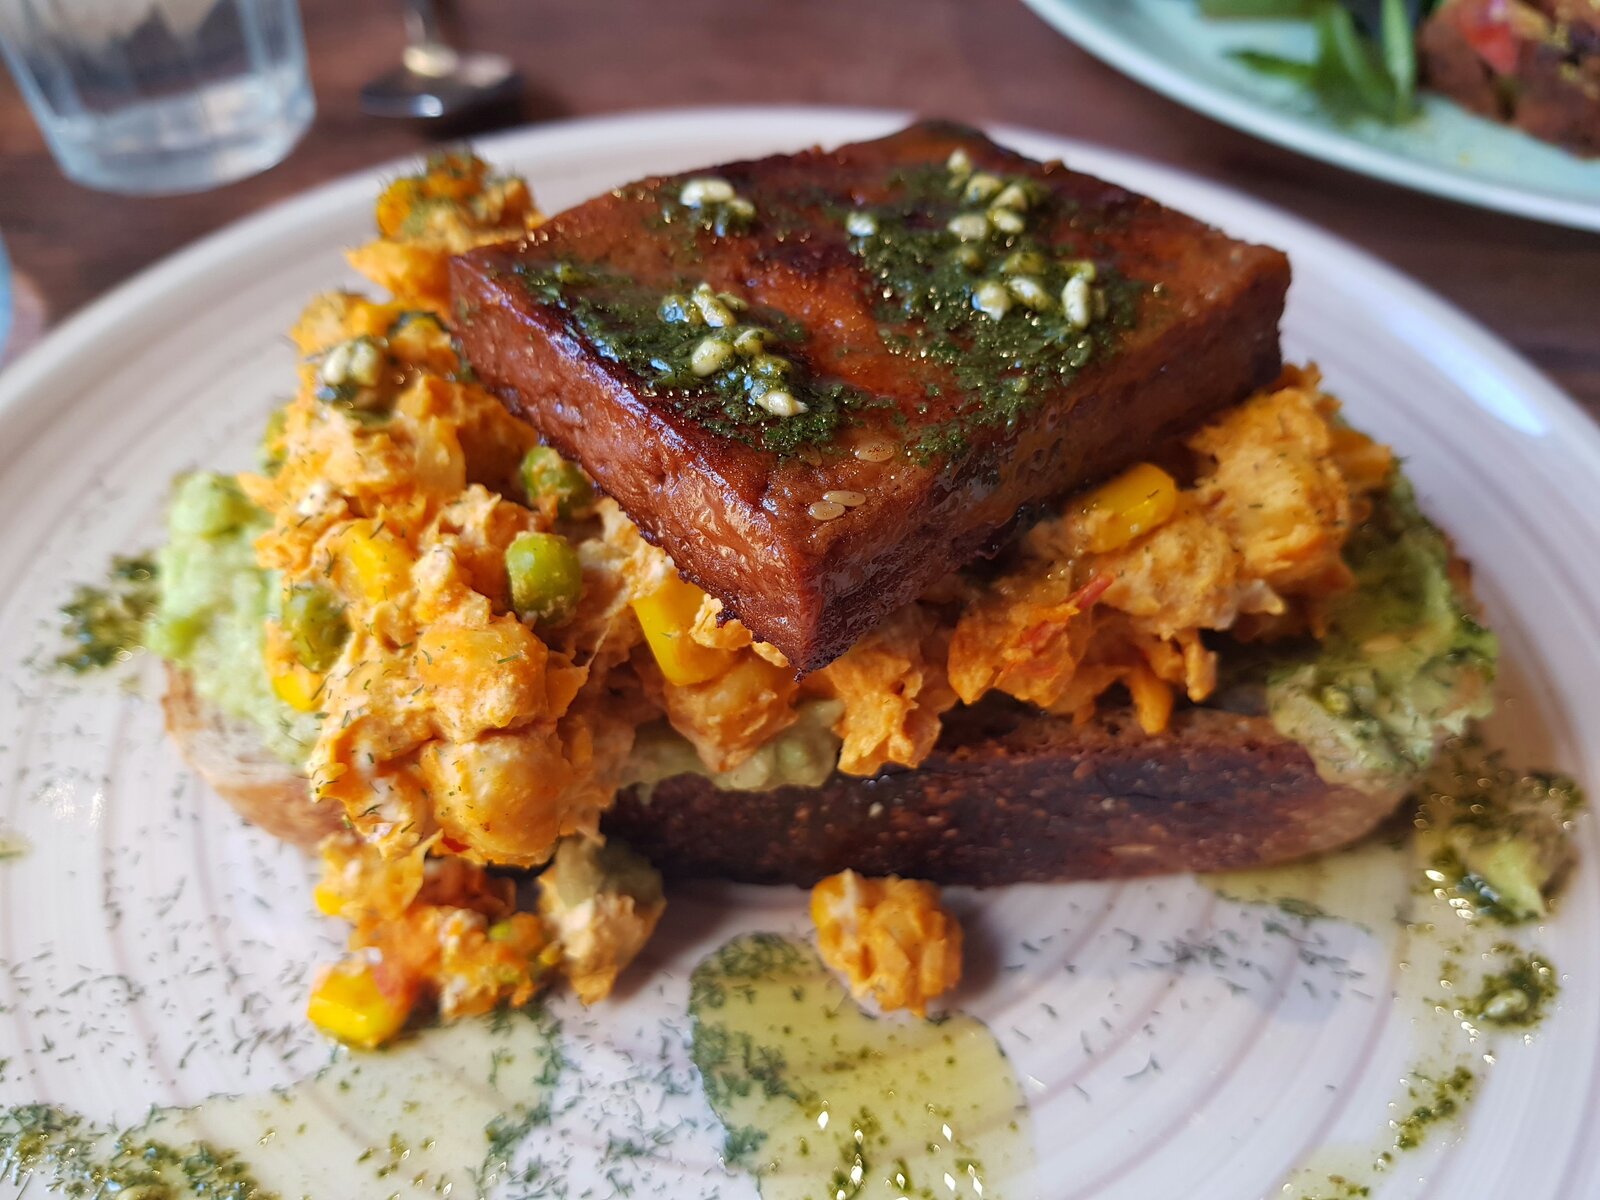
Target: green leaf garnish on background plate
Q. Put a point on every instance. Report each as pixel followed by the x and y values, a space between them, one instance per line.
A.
pixel 1365 66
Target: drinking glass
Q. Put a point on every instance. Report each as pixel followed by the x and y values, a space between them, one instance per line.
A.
pixel 161 96
pixel 5 301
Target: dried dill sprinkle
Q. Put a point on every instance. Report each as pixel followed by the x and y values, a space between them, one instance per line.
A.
pixel 805 1081
pixel 80 1159
pixel 104 625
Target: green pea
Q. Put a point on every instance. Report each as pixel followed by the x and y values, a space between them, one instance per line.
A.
pixel 314 620
pixel 546 473
pixel 546 578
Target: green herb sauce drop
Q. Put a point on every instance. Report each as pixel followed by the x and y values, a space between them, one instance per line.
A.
pixel 819 1098
pixel 104 625
pixel 445 1112
pixel 622 321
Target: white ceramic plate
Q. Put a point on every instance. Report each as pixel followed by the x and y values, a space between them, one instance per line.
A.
pixel 154 951
pixel 1168 46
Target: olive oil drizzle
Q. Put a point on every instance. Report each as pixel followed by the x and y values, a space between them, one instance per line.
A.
pixel 479 1087
pixel 821 1100
pixel 1463 975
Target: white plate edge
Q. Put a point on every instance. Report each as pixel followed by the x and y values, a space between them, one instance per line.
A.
pixel 1349 153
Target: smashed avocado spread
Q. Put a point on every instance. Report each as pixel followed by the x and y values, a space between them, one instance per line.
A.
pixel 214 603
pixel 803 755
pixel 1403 665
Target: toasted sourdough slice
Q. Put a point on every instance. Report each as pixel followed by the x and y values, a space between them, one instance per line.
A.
pixel 940 425
pixel 229 755
pixel 1008 797
pixel 1011 796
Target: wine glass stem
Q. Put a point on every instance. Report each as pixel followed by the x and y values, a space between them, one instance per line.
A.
pixel 427 53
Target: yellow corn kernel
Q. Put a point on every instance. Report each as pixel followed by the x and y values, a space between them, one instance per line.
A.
pixel 298 687
pixel 349 1002
pixel 666 616
pixel 292 682
pixel 328 901
pixel 376 566
pixel 1130 505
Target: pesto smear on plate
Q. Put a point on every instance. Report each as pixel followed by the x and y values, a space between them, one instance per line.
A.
pixel 1453 904
pixel 819 1098
pixel 447 1110
pixel 105 624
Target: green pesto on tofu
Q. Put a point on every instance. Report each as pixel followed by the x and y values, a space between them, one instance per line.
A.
pixel 707 203
pixel 970 284
pixel 1404 663
pixel 969 280
pixel 213 606
pixel 656 336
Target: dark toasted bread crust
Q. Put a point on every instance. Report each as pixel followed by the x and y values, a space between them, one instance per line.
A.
pixel 1008 797
pixel 1012 797
pixel 735 518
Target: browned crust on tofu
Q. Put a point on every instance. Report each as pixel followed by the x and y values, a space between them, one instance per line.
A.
pixel 735 518
pixel 1017 798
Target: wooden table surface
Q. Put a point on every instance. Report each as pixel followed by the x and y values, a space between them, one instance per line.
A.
pixel 1537 285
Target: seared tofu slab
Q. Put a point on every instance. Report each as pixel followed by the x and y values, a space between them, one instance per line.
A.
pixel 822 381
